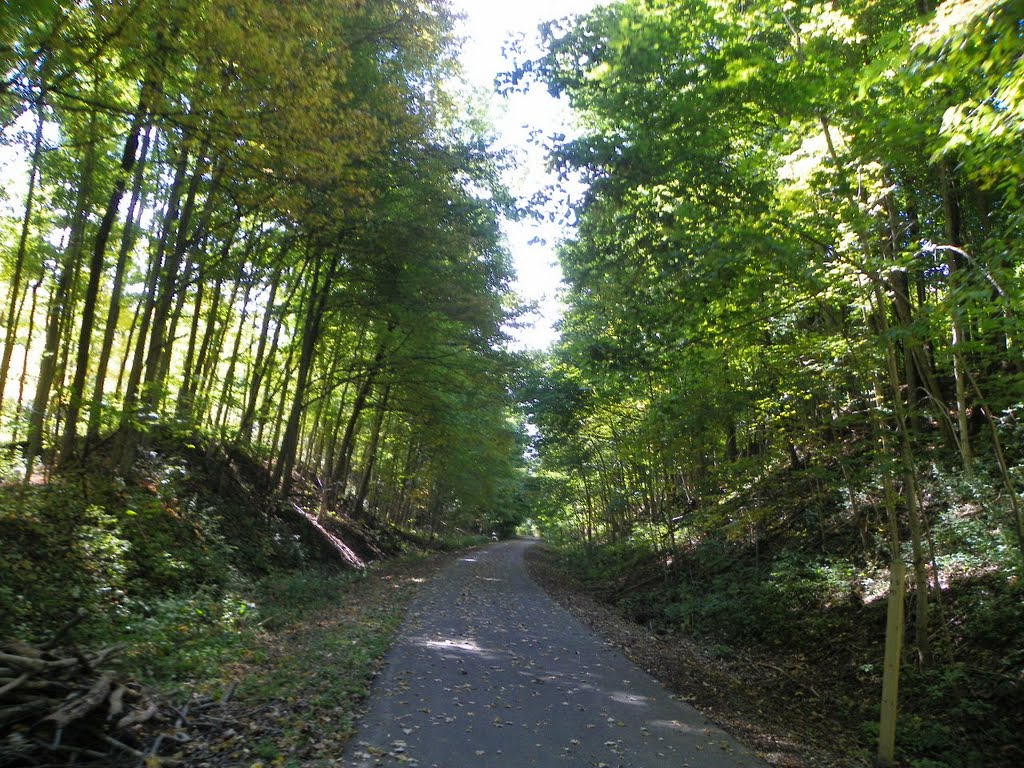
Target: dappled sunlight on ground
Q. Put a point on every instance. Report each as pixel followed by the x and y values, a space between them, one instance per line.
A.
pixel 675 725
pixel 464 646
pixel 622 697
pixel 491 673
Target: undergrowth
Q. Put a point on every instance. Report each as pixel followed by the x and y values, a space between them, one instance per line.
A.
pixel 808 594
pixel 323 646
pixel 209 589
pixel 185 564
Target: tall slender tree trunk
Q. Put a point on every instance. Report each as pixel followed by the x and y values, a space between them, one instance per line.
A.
pixel 954 225
pixel 371 452
pixel 313 417
pixel 190 239
pixel 259 415
pixel 181 297
pixel 128 431
pixel 333 440
pixel 279 406
pixel 23 379
pixel 190 381
pixel 212 358
pixel 133 328
pixel 77 390
pixel 159 340
pixel 404 481
pixel 61 308
pixel 224 405
pixel 320 290
pixel 129 237
pixel 910 489
pixel 188 366
pixel 11 330
pixel 906 450
pixel 895 621
pixel 329 493
pixel 256 375
pixel 344 465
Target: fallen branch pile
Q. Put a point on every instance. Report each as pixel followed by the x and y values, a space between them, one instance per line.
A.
pixel 62 706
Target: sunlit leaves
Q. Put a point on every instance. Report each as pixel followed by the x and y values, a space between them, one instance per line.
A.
pixel 304 154
pixel 761 178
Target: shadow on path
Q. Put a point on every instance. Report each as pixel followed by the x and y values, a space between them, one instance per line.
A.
pixel 488 671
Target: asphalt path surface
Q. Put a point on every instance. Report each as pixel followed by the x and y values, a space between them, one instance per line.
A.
pixel 489 671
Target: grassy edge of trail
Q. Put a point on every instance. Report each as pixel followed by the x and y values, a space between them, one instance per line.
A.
pixel 303 680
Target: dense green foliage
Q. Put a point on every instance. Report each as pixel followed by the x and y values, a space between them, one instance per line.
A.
pixel 800 606
pixel 265 224
pixel 252 298
pixel 798 265
pixel 252 266
pixel 153 562
pixel 189 566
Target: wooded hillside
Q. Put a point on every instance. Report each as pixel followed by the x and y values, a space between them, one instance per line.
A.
pixel 263 222
pixel 251 313
pixel 253 316
pixel 791 360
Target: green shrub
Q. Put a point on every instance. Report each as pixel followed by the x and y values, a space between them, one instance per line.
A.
pixel 455 542
pixel 286 597
pixel 184 637
pixel 608 562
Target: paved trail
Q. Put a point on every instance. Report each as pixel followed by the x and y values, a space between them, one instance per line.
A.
pixel 489 672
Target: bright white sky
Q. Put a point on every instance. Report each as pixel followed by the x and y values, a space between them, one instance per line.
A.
pixel 487 26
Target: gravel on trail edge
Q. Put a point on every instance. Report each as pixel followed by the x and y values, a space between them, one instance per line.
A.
pixel 489 671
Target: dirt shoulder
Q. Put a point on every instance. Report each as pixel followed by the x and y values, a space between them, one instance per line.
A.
pixel 301 691
pixel 775 711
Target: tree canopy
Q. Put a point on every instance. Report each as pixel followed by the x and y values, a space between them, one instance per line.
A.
pixel 265 223
pixel 797 256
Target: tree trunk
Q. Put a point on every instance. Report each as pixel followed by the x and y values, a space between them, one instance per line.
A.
pixel 344 465
pixel 891 667
pixel 189 382
pixel 310 336
pixel 278 420
pixel 259 415
pixel 256 375
pixel 314 422
pixel 77 390
pixel 229 379
pixel 953 215
pixel 212 356
pixel 182 294
pixel 910 491
pixel 187 370
pixel 23 379
pixel 906 450
pixel 371 452
pixel 895 621
pixel 128 432
pixel 61 309
pixel 136 207
pixel 10 336
pixel 159 341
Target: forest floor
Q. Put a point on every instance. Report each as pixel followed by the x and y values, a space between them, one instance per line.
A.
pixel 299 694
pixel 781 714
pixel 300 690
